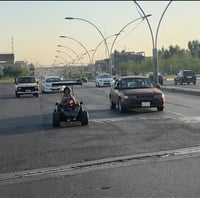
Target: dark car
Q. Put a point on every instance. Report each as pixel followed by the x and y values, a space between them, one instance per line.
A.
pixel 185 76
pixel 83 79
pixel 160 77
pixel 135 92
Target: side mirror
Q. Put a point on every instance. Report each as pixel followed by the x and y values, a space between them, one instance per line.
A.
pixel 158 86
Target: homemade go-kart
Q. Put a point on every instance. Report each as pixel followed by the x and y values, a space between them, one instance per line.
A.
pixel 67 113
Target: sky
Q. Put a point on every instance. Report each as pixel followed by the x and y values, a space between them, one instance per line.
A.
pixel 32 29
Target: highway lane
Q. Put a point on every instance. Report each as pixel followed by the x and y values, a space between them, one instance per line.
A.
pixel 28 140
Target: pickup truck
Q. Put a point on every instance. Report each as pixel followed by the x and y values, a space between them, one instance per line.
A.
pixel 26 85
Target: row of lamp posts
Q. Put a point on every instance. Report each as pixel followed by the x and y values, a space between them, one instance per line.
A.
pixel 109 53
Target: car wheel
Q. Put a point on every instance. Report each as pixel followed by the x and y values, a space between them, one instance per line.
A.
pixel 56 119
pixel 36 95
pixel 160 108
pixel 121 108
pixel 112 105
pixel 84 118
pixel 194 83
pixel 17 95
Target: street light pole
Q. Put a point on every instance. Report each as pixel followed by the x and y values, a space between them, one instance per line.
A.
pixel 72 51
pixel 71 18
pixel 110 60
pixel 154 42
pixel 80 44
pixel 100 44
pixel 66 54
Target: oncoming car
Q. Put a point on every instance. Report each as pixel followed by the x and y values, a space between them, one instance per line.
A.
pixel 104 80
pixel 135 92
pixel 47 87
pixel 26 85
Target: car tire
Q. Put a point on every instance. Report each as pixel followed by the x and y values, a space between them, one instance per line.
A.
pixel 17 95
pixel 56 119
pixel 120 107
pixel 160 108
pixel 112 105
pixel 84 118
pixel 36 95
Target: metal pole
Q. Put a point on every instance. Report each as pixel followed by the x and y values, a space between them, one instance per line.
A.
pixel 110 60
pixel 154 42
pixel 80 44
pixel 72 51
pixel 71 18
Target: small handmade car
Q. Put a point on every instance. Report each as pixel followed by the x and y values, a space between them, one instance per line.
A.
pixel 65 113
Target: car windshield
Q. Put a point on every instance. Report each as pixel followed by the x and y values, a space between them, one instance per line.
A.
pixel 26 80
pixel 105 76
pixel 188 73
pixel 53 80
pixel 136 83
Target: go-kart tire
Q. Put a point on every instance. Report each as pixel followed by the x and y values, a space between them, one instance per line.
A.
pixel 56 119
pixel 84 118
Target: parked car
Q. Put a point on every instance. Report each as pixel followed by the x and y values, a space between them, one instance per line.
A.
pixel 160 77
pixel 104 79
pixel 135 92
pixel 47 87
pixel 26 85
pixel 185 76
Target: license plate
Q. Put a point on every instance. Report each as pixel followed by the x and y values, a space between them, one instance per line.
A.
pixel 189 77
pixel 145 104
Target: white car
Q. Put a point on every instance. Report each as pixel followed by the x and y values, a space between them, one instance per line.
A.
pixel 26 85
pixel 104 80
pixel 47 87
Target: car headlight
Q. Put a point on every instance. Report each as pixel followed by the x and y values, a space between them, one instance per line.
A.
pixel 47 85
pixel 125 97
pixel 159 96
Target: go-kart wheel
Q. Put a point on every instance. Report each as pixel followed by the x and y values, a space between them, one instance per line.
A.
pixel 84 118
pixel 56 119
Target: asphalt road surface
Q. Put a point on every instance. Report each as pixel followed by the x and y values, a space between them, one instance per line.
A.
pixel 142 152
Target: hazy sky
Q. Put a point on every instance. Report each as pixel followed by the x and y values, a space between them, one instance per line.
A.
pixel 35 27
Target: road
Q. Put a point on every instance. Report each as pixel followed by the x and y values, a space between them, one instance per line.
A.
pixel 35 157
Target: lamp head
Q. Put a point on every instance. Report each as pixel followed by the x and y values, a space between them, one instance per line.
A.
pixel 69 18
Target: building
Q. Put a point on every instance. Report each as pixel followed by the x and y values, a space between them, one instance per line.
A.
pixel 7 59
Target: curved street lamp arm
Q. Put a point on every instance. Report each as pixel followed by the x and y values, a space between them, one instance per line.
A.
pixel 72 51
pixel 80 44
pixel 124 28
pixel 152 37
pixel 66 54
pixel 100 44
pixel 160 22
pixel 93 26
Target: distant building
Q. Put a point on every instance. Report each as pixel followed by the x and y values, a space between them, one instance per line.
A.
pixel 7 59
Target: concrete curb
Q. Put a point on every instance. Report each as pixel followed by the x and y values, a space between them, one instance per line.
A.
pixel 195 92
